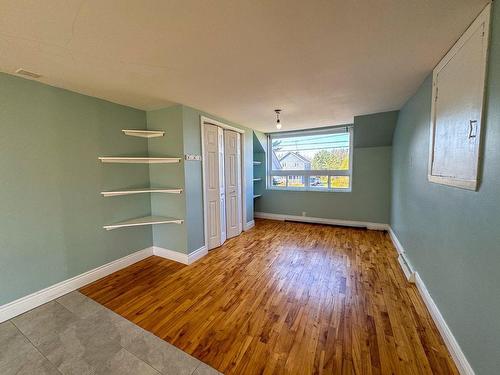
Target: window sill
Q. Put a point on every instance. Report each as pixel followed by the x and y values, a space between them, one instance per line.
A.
pixel 312 190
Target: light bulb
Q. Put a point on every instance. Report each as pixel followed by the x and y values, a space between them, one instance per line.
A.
pixel 278 121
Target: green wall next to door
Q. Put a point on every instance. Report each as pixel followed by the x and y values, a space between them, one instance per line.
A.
pixel 183 136
pixel 171 237
pixel 51 179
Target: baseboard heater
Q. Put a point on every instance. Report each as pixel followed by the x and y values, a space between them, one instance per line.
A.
pixel 325 223
pixel 406 267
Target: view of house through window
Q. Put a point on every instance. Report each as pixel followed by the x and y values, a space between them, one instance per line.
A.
pixel 311 160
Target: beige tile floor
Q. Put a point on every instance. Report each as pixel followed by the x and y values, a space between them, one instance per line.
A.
pixel 76 335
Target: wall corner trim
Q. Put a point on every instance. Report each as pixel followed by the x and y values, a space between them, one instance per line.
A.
pixel 319 220
pixel 249 225
pixel 197 254
pixel 180 257
pixel 451 343
pixel 52 292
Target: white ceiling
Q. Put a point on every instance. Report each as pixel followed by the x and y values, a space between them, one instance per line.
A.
pixel 321 61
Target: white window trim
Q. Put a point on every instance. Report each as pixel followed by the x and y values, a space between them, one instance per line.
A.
pixel 308 173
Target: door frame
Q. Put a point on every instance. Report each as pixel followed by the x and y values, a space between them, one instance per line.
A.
pixel 207 120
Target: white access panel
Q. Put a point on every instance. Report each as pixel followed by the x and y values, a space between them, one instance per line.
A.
pixel 457 106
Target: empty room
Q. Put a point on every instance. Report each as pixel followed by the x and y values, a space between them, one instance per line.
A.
pixel 201 187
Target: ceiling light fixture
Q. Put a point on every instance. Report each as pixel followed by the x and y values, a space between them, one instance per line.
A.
pixel 278 122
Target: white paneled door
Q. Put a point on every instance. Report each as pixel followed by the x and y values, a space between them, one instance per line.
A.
pixel 223 184
pixel 214 191
pixel 232 169
pixel 222 189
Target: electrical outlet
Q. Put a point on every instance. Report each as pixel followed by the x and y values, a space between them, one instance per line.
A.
pixel 303 213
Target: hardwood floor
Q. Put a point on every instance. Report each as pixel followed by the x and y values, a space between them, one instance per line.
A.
pixel 286 298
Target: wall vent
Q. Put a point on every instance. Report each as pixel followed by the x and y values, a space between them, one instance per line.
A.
pixel 25 72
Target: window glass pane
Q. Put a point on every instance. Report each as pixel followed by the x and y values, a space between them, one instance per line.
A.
pixel 340 182
pixel 296 181
pixel 318 182
pixel 311 152
pixel 278 181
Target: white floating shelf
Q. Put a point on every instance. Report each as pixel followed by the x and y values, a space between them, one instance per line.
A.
pixel 147 220
pixel 257 196
pixel 139 191
pixel 138 160
pixel 257 179
pixel 144 133
pixel 257 162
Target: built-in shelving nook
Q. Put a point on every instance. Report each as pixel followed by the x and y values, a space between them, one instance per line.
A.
pixel 146 220
pixel 259 170
pixel 144 133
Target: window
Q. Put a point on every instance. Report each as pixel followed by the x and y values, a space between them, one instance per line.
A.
pixel 314 160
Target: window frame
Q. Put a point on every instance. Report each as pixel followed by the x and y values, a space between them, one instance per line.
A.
pixel 309 173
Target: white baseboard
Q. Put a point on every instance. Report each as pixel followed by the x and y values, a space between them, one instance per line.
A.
pixel 249 225
pixel 180 257
pixel 50 293
pixel 197 254
pixel 319 220
pixel 29 302
pixel 456 352
pixel 170 254
pixel 451 343
pixel 400 249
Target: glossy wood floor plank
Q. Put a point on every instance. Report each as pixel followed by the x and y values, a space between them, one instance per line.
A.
pixel 286 298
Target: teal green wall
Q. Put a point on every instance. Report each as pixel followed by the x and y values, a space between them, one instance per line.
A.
pixel 452 236
pixel 194 182
pixel 375 130
pixel 369 199
pixel 51 210
pixel 261 140
pixel 172 237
